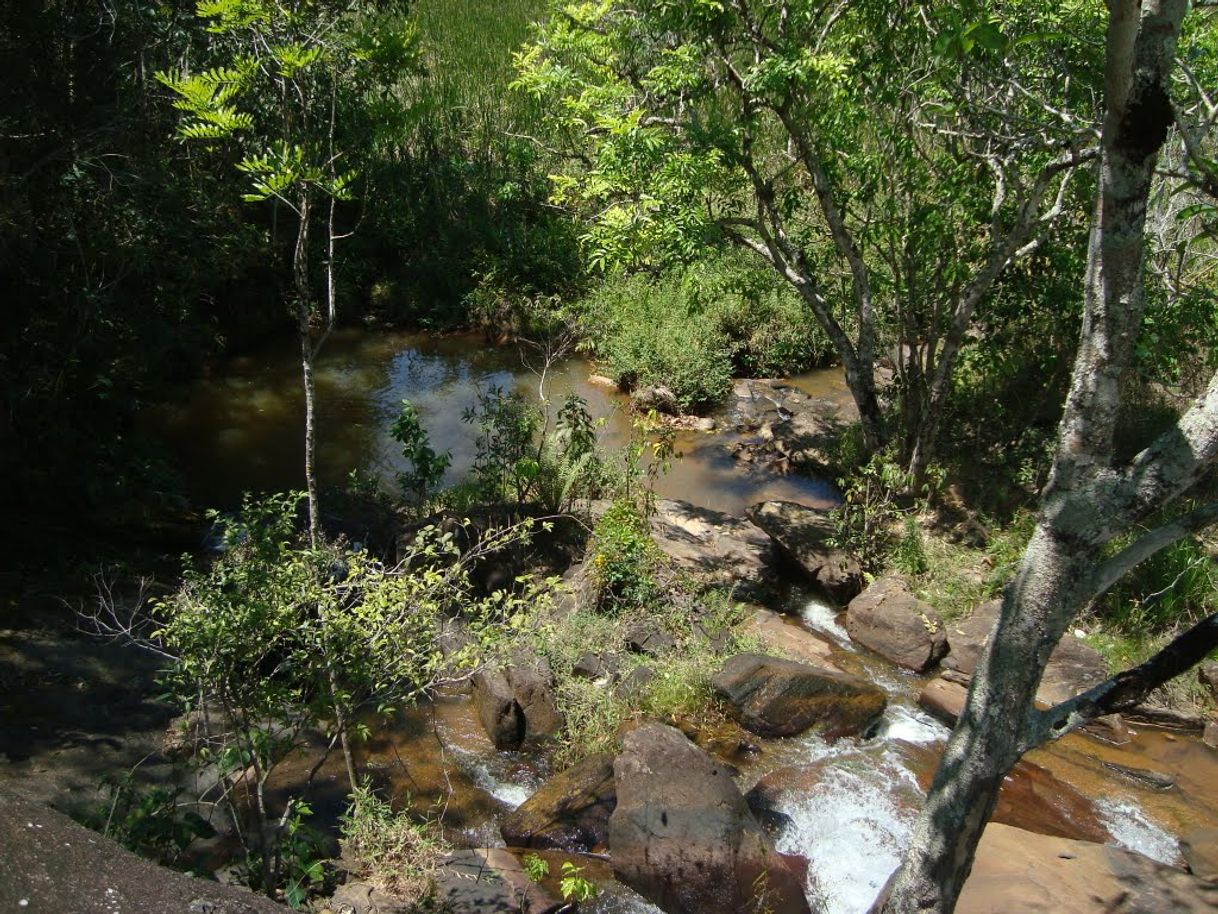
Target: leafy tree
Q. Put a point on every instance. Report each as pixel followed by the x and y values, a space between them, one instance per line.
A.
pixel 1094 499
pixel 278 639
pixel 283 76
pixel 887 163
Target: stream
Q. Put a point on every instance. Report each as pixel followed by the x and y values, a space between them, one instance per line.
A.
pixel 240 428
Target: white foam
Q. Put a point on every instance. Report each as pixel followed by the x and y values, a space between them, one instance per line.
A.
pixel 911 725
pixel 819 615
pixel 510 793
pixel 1134 831
pixel 853 828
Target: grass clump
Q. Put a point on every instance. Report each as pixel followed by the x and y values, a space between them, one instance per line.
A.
pixel 390 850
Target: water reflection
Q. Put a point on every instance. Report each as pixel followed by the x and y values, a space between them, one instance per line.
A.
pixel 242 428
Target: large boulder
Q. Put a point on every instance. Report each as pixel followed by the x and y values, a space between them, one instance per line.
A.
pixel 802 535
pixel 658 399
pixel 775 697
pixel 516 703
pixel 716 547
pixel 569 812
pixel 684 838
pixel 1019 871
pixel 52 864
pixel 1074 666
pixel 895 624
pixel 788 638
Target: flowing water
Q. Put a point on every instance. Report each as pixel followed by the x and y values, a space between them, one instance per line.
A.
pixel 242 427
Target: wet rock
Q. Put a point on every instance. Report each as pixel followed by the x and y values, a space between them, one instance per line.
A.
pixel 786 639
pixel 517 704
pixel 1074 666
pixel 1199 848
pixel 659 399
pixel 1210 735
pixel 801 535
pixel 775 697
pixel 52 864
pixel 683 837
pixel 1143 777
pixel 895 624
pixel 1016 870
pixel 490 881
pixel 1167 719
pixel 569 812
pixel 943 699
pixel 705 424
pixel 634 682
pixel 715 547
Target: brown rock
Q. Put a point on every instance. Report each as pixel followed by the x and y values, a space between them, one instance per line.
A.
pixel 1199 848
pixel 569 812
pixel 714 546
pixel 490 881
pixel 1210 734
pixel 775 697
pixel 1017 871
pixel 895 624
pixel 1074 666
pixel 802 535
pixel 517 704
pixel 943 700
pixel 683 837
pixel 1207 675
pixel 789 639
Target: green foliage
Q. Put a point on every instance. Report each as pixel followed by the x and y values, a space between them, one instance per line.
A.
pixel 623 560
pixel 391 850
pixel 1174 589
pixel 535 867
pixel 507 460
pixel 276 639
pixel 693 328
pixel 866 521
pixel 149 821
pixel 427 468
pixel 909 554
pixel 575 887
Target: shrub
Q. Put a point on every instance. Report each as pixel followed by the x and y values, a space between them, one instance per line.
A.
pixel 624 560
pixel 693 328
pixel 391 850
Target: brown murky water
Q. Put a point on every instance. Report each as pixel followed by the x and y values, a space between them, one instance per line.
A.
pixel 242 427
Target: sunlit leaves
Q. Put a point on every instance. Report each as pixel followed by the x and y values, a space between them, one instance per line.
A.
pixel 207 100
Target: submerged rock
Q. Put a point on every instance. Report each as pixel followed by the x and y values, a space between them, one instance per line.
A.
pixel 775 697
pixel 895 624
pixel 684 838
pixel 802 535
pixel 569 812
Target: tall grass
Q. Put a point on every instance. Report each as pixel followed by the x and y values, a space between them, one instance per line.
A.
pixel 467 51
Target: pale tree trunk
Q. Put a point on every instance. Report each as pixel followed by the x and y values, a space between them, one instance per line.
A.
pixel 1088 501
pixel 304 314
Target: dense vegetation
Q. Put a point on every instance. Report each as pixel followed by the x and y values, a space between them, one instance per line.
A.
pixel 688 193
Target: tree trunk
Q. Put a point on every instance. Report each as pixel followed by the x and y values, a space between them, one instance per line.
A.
pixel 304 314
pixel 1087 502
